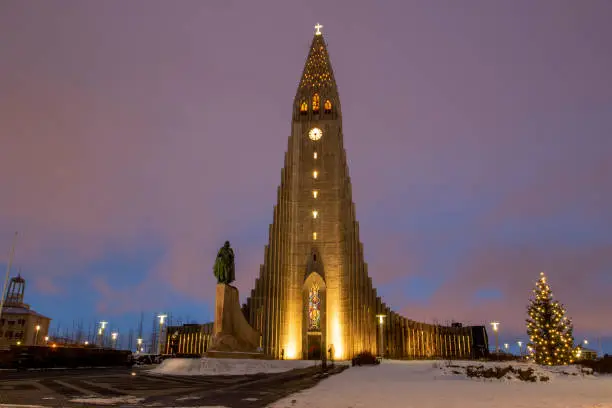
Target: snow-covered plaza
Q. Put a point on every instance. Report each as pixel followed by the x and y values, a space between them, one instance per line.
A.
pixel 423 384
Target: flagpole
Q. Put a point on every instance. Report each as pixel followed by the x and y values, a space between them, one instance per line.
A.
pixel 8 271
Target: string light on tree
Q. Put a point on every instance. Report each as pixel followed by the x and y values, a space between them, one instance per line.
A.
pixel 549 330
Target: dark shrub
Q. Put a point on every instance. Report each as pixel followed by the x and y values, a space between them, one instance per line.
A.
pixel 365 358
pixel 500 372
pixel 601 366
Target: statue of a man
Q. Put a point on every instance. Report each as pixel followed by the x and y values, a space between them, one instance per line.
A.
pixel 224 268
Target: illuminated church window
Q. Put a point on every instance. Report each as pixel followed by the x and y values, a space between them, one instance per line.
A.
pixel 315 193
pixel 315 155
pixel 314 236
pixel 314 308
pixel 327 106
pixel 315 103
pixel 315 213
pixel 315 174
pixel 304 108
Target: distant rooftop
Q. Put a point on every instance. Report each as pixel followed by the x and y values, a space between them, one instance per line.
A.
pixel 10 310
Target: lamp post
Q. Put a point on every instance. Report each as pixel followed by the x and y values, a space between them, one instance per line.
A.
pixel 139 345
pixel 496 331
pixel 114 337
pixel 46 339
pixel 161 317
pixel 381 321
pixel 520 344
pixel 506 346
pixel 101 332
pixel 36 335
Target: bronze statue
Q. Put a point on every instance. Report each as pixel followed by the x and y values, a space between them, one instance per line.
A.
pixel 224 268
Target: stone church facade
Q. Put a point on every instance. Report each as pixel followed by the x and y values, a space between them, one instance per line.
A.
pixel 314 292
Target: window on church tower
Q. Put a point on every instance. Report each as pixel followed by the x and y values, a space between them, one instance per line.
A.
pixel 315 193
pixel 315 155
pixel 315 174
pixel 314 236
pixel 316 100
pixel 304 108
pixel 314 308
pixel 328 106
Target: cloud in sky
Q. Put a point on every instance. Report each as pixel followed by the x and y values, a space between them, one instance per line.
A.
pixel 135 140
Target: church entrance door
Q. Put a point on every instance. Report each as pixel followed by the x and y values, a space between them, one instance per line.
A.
pixel 314 346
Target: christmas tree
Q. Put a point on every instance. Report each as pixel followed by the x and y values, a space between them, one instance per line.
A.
pixel 549 330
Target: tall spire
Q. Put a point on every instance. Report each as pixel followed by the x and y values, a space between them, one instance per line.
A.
pixel 318 74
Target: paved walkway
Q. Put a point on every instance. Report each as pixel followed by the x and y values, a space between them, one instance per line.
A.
pixel 136 387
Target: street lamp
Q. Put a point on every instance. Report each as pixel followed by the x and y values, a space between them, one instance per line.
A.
pixel 506 345
pixel 36 336
pixel 381 321
pixel 520 344
pixel 161 317
pixel 46 339
pixel 114 337
pixel 139 343
pixel 101 332
pixel 586 342
pixel 496 331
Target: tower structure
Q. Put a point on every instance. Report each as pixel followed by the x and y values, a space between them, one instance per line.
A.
pixel 302 299
pixel 313 294
pixel 19 324
pixel 15 292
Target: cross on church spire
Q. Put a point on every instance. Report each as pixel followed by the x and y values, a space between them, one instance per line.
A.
pixel 318 27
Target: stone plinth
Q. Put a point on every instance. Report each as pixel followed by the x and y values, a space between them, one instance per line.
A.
pixel 232 333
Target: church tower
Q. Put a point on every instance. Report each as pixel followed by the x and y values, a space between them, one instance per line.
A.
pixel 313 292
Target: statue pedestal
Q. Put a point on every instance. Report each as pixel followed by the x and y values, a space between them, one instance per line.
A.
pixel 233 336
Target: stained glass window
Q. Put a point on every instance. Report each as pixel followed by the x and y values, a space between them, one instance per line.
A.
pixel 315 102
pixel 314 308
pixel 304 107
pixel 328 106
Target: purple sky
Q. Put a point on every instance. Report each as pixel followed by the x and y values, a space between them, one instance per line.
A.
pixel 138 136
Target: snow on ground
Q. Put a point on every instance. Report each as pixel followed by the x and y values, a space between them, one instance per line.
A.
pixel 459 368
pixel 20 406
pixel 127 399
pixel 226 366
pixel 422 384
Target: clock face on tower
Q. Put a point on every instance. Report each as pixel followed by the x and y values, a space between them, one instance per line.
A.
pixel 315 134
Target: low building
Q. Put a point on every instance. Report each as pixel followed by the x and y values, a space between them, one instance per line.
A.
pixel 188 339
pixel 586 354
pixel 19 324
